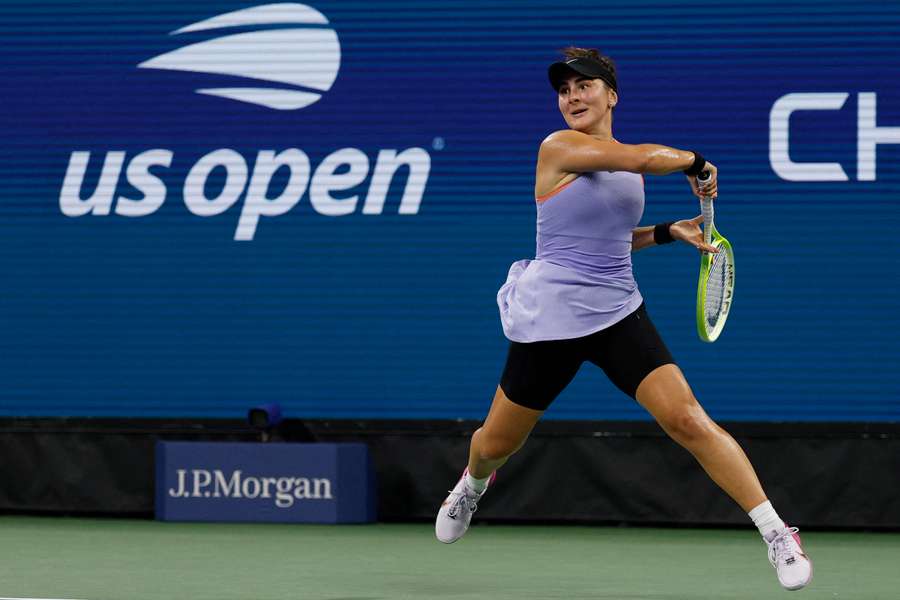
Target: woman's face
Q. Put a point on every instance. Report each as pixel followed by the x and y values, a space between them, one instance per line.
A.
pixel 584 102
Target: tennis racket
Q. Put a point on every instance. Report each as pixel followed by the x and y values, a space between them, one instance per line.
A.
pixel 715 290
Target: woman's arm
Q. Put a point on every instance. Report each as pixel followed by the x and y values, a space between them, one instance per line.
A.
pixel 571 151
pixel 642 237
pixel 687 230
pixel 568 151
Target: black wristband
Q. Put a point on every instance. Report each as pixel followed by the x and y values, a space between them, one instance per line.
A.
pixel 697 166
pixel 662 235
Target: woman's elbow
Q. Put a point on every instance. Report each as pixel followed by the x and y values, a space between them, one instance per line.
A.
pixel 640 164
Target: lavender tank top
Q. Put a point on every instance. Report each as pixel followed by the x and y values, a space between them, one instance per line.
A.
pixel 580 280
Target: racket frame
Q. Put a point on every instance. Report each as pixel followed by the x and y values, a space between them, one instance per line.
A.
pixel 716 239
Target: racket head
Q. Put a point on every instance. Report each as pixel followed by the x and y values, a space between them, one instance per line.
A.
pixel 715 289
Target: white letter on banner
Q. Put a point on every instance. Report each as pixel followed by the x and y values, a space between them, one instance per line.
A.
pixel 181 492
pixel 100 202
pixel 151 186
pixel 325 181
pixel 251 487
pixel 202 478
pixel 779 134
pixel 319 485
pixel 302 489
pixel 229 489
pixel 869 136
pixel 387 163
pixel 283 486
pixel 266 482
pixel 256 203
pixel 235 179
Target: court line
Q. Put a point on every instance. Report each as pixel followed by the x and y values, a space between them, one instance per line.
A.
pixel 39 599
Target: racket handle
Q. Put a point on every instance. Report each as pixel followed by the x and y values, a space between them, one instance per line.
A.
pixel 706 208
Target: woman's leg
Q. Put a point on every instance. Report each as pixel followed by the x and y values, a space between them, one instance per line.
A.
pixel 535 373
pixel 667 396
pixel 504 431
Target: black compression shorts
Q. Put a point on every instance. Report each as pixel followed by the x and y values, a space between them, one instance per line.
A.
pixel 536 372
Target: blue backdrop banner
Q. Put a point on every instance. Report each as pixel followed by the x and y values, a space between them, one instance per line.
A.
pixel 208 205
pixel 284 483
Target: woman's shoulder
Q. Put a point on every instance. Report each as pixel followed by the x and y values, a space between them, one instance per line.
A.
pixel 566 141
pixel 571 136
pixel 565 136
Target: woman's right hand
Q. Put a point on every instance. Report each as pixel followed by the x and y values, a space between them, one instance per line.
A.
pixel 710 186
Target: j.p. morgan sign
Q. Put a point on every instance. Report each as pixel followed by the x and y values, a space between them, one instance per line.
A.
pixel 308 483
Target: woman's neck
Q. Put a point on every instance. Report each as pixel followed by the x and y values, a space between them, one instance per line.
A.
pixel 603 130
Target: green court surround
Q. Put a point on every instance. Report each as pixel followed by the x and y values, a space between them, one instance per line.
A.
pixel 111 559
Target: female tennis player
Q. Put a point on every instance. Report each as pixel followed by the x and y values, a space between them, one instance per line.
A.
pixel 578 301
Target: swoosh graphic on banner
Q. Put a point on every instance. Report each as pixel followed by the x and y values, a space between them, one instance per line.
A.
pixel 303 57
pixel 268 14
pixel 271 97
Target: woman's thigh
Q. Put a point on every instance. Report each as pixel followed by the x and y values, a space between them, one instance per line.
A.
pixel 666 395
pixel 629 351
pixel 535 373
pixel 509 423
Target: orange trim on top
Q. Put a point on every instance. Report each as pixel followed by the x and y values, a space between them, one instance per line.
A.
pixel 550 194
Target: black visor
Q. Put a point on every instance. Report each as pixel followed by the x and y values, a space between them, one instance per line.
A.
pixel 588 67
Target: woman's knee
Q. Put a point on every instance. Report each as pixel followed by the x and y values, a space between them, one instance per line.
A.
pixel 667 396
pixel 689 425
pixel 492 446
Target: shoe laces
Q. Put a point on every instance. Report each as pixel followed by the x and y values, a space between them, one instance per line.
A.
pixel 782 549
pixel 464 501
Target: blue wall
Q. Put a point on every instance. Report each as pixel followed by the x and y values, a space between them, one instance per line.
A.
pixel 393 315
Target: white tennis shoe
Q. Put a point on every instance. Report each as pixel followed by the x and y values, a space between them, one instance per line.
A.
pixel 456 511
pixel 786 554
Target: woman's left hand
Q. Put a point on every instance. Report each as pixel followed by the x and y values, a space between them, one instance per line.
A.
pixel 689 231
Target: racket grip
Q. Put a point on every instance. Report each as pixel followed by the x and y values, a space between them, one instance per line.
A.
pixel 706 208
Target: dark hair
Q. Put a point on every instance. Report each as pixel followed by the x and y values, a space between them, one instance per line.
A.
pixel 592 53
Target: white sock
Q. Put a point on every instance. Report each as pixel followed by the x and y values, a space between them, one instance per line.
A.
pixel 766 519
pixel 476 485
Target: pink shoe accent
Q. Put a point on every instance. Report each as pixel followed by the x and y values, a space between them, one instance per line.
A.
pixel 799 543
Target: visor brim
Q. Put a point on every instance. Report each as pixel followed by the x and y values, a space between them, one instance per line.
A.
pixel 560 71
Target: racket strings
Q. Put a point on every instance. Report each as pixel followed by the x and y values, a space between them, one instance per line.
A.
pixel 716 286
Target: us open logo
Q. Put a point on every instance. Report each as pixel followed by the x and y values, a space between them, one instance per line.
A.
pixel 306 57
pixel 347 181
